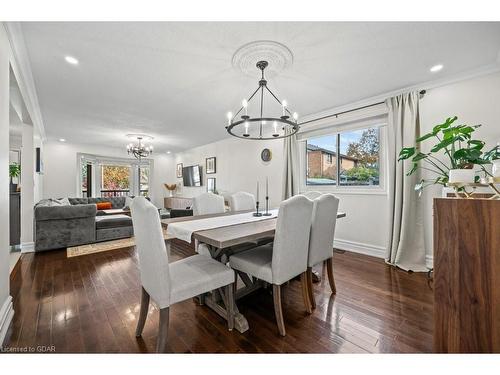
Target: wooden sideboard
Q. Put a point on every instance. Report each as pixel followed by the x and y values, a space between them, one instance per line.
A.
pixel 466 275
pixel 177 202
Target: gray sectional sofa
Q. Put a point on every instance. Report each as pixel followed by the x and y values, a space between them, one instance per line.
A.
pixel 76 221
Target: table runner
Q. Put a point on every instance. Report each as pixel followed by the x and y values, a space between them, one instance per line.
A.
pixel 184 230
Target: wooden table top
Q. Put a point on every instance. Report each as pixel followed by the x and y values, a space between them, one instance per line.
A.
pixel 232 235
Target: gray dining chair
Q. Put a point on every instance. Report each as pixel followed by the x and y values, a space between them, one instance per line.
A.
pixel 241 201
pixel 170 283
pixel 324 219
pixel 208 204
pixel 312 195
pixel 285 258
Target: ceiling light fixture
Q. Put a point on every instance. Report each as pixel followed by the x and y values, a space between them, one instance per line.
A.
pixel 169 152
pixel 436 68
pixel 140 150
pixel 262 127
pixel 62 140
pixel 71 60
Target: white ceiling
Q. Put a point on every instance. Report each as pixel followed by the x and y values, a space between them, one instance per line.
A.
pixel 175 81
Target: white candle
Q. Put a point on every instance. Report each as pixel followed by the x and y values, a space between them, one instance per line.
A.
pixel 257 191
pixel 283 104
pixel 267 186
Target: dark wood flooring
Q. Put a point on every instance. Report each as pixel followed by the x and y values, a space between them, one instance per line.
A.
pixel 91 304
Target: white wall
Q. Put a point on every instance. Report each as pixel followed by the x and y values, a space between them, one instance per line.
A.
pixel 61 167
pixel 27 186
pixel 238 167
pixel 474 101
pixel 5 299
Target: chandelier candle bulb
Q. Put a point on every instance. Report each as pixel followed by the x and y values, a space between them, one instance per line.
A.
pixel 244 103
pixel 283 105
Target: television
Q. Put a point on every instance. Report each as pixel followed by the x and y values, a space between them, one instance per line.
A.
pixel 191 176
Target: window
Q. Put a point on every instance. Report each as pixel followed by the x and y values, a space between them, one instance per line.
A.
pixel 144 181
pixel 115 181
pixel 103 176
pixel 86 179
pixel 349 158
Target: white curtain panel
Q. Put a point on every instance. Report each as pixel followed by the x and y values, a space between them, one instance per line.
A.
pixel 406 238
pixel 291 166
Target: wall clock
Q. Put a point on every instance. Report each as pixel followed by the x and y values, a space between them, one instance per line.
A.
pixel 266 155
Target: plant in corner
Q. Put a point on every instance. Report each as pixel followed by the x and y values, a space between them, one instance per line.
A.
pixel 14 173
pixel 460 150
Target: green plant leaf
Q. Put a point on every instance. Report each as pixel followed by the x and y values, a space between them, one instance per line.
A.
pixel 413 169
pixel 406 153
pixel 419 157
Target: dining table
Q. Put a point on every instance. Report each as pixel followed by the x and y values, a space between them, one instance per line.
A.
pixel 223 237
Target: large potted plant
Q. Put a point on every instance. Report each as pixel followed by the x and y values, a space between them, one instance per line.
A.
pixel 14 173
pixel 461 154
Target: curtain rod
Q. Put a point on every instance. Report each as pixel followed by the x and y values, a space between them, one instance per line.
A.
pixel 421 92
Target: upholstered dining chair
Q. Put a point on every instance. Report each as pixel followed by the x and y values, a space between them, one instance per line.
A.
pixel 285 258
pixel 312 195
pixel 207 204
pixel 170 283
pixel 241 201
pixel 324 219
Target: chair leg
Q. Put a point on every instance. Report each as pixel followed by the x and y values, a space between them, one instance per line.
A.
pixel 310 287
pixel 230 306
pixel 331 280
pixel 305 292
pixel 143 314
pixel 278 310
pixel 161 341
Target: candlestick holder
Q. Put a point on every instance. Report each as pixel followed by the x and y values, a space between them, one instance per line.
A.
pixel 257 213
pixel 267 207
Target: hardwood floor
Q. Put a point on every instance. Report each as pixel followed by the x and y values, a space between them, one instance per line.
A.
pixel 91 304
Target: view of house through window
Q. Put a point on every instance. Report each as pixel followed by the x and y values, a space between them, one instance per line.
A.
pixel 347 159
pixel 115 181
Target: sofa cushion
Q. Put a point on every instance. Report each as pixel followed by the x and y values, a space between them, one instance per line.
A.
pixel 112 221
pixel 116 202
pixel 76 201
pixel 43 212
pixel 104 206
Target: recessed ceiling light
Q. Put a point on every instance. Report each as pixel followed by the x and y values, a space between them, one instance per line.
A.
pixel 71 60
pixel 169 152
pixel 62 140
pixel 436 68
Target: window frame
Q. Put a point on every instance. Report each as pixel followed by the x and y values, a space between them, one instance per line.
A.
pixel 98 161
pixel 334 130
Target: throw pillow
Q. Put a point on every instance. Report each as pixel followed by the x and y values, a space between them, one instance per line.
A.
pixel 104 205
pixel 128 203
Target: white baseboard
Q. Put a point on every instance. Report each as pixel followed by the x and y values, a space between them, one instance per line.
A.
pixel 27 247
pixel 6 314
pixel 361 248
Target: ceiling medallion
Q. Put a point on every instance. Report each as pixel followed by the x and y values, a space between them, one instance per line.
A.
pixel 140 149
pixel 276 54
pixel 261 127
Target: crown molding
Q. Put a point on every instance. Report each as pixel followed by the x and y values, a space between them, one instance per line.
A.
pixel 21 66
pixel 428 85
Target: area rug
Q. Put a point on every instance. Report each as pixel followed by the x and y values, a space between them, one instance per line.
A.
pixel 99 247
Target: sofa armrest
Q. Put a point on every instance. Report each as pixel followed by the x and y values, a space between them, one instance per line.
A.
pixel 65 212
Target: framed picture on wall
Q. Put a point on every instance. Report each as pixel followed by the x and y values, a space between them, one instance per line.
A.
pixel 210 165
pixel 179 170
pixel 211 184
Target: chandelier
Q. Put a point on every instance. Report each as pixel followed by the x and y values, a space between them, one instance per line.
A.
pixel 140 149
pixel 262 127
